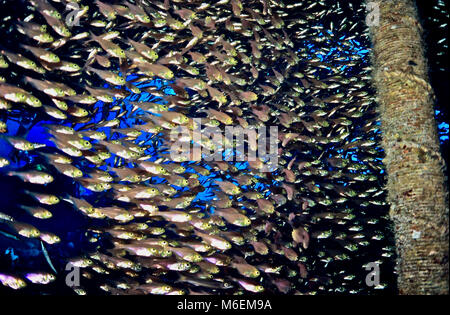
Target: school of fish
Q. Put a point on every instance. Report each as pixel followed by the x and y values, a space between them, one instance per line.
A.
pixel 108 82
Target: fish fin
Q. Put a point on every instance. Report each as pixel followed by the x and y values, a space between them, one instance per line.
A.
pixel 47 257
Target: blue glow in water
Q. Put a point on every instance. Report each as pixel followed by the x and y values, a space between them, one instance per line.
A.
pixel 168 90
pixel 443 129
pixel 39 134
pixel 444 126
pixel 13 127
pixel 10 251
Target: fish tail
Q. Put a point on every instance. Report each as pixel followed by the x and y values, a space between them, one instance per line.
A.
pixel 12 173
pixel 90 69
pixel 87 64
pixel 93 38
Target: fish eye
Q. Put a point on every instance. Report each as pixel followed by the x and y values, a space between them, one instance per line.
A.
pixel 32 63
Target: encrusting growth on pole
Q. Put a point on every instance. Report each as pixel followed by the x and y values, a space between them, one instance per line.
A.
pixel 417 191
